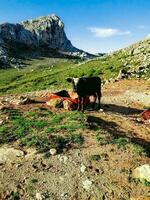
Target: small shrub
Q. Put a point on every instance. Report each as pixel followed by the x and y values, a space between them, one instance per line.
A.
pixel 120 142
pixel 95 157
pixel 146 183
pixel 138 150
pixel 76 138
pixel 15 195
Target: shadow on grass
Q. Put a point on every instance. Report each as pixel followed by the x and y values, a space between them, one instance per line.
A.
pixel 112 128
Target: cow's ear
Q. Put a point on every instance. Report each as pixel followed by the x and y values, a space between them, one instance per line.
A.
pixel 69 80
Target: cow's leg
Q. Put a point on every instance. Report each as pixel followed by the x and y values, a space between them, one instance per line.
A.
pixel 93 104
pixel 79 103
pixel 82 104
pixel 99 99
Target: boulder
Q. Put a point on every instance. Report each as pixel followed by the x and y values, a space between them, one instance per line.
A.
pixel 87 184
pixel 53 151
pixel 82 168
pixel 142 172
pixel 39 196
pixel 9 154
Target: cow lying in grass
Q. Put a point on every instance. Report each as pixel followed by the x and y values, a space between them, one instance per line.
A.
pixel 86 87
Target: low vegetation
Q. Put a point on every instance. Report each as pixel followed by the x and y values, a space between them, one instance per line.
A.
pixel 42 129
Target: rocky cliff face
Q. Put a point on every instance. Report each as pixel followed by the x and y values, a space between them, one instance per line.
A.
pixel 44 34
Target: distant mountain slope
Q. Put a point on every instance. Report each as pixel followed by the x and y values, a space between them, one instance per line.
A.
pixel 43 35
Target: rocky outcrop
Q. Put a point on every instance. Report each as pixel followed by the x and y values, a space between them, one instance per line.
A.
pixel 42 35
pixel 135 59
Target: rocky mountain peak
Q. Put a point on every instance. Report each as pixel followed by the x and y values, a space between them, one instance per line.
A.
pixel 37 35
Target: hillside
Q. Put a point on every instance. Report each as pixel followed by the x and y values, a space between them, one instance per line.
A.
pixel 51 73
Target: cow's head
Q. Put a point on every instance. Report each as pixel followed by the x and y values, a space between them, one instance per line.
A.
pixel 74 82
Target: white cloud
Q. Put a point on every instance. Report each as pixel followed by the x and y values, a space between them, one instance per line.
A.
pixel 107 32
pixel 142 27
pixel 148 36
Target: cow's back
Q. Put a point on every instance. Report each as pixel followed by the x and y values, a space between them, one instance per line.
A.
pixel 88 86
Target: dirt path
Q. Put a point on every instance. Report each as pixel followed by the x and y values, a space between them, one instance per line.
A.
pixel 101 169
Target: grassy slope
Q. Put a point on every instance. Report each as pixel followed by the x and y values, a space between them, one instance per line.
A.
pixel 50 73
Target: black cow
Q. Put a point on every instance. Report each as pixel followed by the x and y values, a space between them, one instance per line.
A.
pixel 86 87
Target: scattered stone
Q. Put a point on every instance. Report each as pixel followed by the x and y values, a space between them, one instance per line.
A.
pixel 1 122
pixel 39 196
pixel 99 171
pixel 82 168
pixel 64 195
pixel 63 159
pixel 9 154
pixel 18 165
pixel 61 179
pixel 30 153
pixel 142 172
pixel 53 152
pixel 87 184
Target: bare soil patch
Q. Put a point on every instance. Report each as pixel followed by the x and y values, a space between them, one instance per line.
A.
pixel 115 143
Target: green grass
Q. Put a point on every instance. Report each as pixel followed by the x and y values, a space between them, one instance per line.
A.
pixel 51 73
pixel 38 74
pixel 95 157
pixel 15 195
pixel 42 129
pixel 120 142
pixel 146 183
pixel 138 150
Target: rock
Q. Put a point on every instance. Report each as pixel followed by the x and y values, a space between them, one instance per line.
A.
pixel 64 195
pixel 87 184
pixel 63 159
pixel 142 172
pixel 1 122
pixel 39 196
pixel 123 74
pixel 53 152
pixel 82 168
pixel 9 154
pixel 30 153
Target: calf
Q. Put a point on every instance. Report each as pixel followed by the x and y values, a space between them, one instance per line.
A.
pixel 86 87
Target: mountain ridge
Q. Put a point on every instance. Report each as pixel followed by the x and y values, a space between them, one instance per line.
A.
pixel 41 34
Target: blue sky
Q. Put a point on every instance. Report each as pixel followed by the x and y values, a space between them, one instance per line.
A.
pixel 91 25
